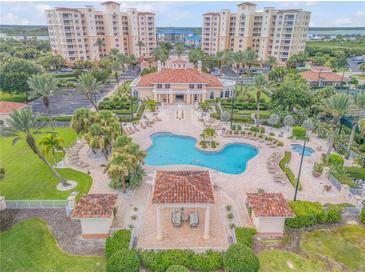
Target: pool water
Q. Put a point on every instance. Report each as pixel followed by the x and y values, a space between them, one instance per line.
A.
pixel 299 149
pixel 170 149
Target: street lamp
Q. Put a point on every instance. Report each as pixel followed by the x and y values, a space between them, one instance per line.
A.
pixel 300 170
pixel 232 104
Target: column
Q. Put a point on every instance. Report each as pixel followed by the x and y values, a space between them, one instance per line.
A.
pixel 158 217
pixel 155 96
pixel 206 223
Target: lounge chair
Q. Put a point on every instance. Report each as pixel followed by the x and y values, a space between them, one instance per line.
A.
pixel 143 126
pixel 194 218
pixel 176 218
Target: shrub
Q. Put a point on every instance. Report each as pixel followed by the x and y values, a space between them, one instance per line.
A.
pixel 177 268
pixel 243 119
pixel 362 215
pixel 2 172
pixel 124 260
pixel 331 214
pixel 257 129
pixel 355 172
pixel 240 258
pixel 336 159
pixel 299 132
pixel 306 214
pixel 118 241
pixel 284 167
pixel 207 262
pixel 244 235
pixel 362 148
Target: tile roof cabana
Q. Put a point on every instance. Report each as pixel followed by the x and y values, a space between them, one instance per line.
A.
pixel 183 189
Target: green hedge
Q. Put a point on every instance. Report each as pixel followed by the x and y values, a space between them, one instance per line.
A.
pixel 244 235
pixel 355 172
pixel 124 260
pixel 344 179
pixel 362 215
pixel 310 213
pixel 118 241
pixel 160 261
pixel 257 129
pixel 243 119
pixel 240 258
pixel 177 268
pixel 283 165
pixel 336 159
pixel 298 132
pixel 136 117
pixel 57 118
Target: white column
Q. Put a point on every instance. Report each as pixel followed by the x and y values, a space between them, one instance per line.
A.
pixel 158 217
pixel 206 223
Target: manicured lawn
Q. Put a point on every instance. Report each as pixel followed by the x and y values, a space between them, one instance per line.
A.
pixel 252 93
pixel 359 76
pixel 282 261
pixel 28 178
pixel 12 97
pixel 345 245
pixel 29 246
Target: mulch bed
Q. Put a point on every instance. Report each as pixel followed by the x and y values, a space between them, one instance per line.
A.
pixel 66 231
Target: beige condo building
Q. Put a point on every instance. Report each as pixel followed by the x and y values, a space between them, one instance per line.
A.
pixel 271 32
pixel 73 32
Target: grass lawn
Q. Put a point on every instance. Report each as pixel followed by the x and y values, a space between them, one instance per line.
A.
pixel 359 76
pixel 28 178
pixel 252 93
pixel 345 245
pixel 282 261
pixel 29 246
pixel 264 114
pixel 12 97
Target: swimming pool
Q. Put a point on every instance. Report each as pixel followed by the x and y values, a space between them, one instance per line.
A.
pixel 299 149
pixel 171 149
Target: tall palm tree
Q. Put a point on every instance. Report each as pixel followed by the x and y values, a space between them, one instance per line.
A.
pixel 210 133
pixel 179 48
pixel 337 106
pixel 50 143
pixel 260 83
pixel 115 67
pixel 140 45
pixel 113 53
pixel 81 119
pixel 44 85
pixel 100 43
pixel 358 113
pixel 250 57
pixel 271 61
pixel 88 85
pixel 22 124
pixel 119 166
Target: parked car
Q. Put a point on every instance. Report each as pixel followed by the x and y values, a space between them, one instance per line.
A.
pixel 215 72
pixel 66 70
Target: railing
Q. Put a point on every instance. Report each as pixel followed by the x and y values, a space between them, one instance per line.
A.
pixel 357 191
pixel 351 211
pixel 335 182
pixel 35 204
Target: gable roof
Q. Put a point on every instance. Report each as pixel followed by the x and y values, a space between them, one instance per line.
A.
pixel 173 187
pixel 95 206
pixel 269 205
pixel 313 76
pixel 179 61
pixel 8 107
pixel 178 76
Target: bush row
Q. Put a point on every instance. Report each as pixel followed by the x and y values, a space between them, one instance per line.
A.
pixel 355 172
pixel 244 235
pixel 310 213
pixel 362 215
pixel 289 173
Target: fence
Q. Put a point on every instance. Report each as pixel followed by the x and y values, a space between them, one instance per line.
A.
pixel 34 204
pixel 335 182
pixel 351 211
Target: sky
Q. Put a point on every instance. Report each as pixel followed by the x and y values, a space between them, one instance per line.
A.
pixel 189 13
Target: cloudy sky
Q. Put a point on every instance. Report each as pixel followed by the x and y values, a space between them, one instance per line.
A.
pixel 188 13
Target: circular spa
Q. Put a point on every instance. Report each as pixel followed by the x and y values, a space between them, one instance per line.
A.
pixel 171 149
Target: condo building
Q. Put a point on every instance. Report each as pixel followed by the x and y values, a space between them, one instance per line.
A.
pixel 271 32
pixel 89 34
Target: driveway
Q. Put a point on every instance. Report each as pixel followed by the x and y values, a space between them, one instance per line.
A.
pixel 353 65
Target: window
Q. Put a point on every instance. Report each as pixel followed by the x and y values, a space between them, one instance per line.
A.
pixel 167 86
pixel 191 86
pixel 211 96
pixel 159 85
pixel 222 94
pixel 226 93
pixel 200 86
pixel 195 97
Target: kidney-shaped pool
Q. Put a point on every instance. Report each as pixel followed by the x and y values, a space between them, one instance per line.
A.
pixel 171 149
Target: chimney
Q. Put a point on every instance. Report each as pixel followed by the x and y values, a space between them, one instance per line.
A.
pixel 200 66
pixel 159 66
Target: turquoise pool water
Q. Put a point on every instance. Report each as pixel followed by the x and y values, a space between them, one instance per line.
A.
pixel 308 151
pixel 170 149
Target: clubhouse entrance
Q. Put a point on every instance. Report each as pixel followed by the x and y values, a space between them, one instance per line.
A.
pixel 179 98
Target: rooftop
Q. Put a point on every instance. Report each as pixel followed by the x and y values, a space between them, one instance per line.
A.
pixel 8 107
pixel 313 76
pixel 179 61
pixel 269 205
pixel 95 206
pixel 175 187
pixel 178 76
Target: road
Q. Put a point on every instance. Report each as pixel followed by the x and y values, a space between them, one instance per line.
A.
pixel 353 65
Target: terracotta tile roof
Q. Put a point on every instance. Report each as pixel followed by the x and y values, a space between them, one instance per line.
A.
pixel 95 206
pixel 269 205
pixel 179 61
pixel 110 2
pixel 178 76
pixel 172 187
pixel 322 69
pixel 312 76
pixel 7 107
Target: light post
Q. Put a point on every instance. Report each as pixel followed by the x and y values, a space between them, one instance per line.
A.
pixel 132 107
pixel 300 170
pixel 232 105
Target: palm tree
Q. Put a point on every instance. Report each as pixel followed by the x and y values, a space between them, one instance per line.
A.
pixel 210 133
pixel 119 166
pixel 250 57
pixel 338 105
pixel 81 119
pixel 51 143
pixel 362 127
pixel 179 48
pixel 362 67
pixel 271 61
pixel 88 85
pixel 140 44
pixel 44 85
pixel 100 43
pixel 260 83
pixel 22 124
pixel 115 66
pixel 359 112
pixel 113 53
